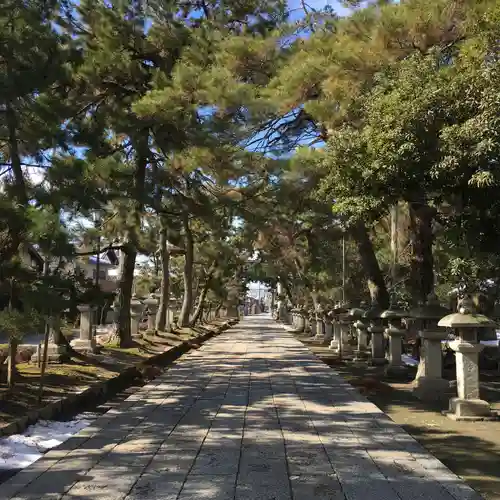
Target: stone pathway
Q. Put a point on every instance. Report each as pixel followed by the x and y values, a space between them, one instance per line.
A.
pixel 251 415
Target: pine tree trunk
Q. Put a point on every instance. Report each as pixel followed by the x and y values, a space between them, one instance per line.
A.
pixel 376 284
pixel 203 296
pixel 127 265
pixel 129 252
pixel 162 320
pixel 422 259
pixel 17 226
pixel 286 286
pixel 187 301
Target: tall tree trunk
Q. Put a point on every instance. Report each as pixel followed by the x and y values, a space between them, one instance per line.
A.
pixel 314 298
pixel 127 265
pixel 162 319
pixel 422 259
pixel 17 226
pixel 286 285
pixel 200 305
pixel 187 301
pixel 376 283
pixel 203 295
pixel 132 241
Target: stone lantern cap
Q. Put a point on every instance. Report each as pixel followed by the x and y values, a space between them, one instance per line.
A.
pixel 151 300
pixel 432 309
pixel 466 317
pixel 356 313
pixel 373 312
pixel 340 308
pixel 136 305
pixel 394 312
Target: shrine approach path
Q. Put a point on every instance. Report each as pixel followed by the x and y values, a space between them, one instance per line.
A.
pixel 250 415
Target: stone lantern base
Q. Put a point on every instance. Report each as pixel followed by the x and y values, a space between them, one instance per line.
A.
pixel 470 410
pixel 430 388
pixel 334 344
pixel 55 354
pixel 84 345
pixel 361 354
pixel 378 361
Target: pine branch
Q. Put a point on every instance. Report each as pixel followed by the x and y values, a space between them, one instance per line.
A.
pixel 100 250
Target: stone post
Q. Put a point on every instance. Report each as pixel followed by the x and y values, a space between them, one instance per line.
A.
pixel 86 342
pixel 115 308
pixel 345 324
pixel 57 352
pixel 136 312
pixel 320 324
pixel 361 351
pixel 320 327
pixel 327 338
pixel 301 322
pixel 429 384
pixel 468 405
pixel 307 327
pixel 335 342
pixel 396 333
pixel 152 304
pixel 376 329
pixel 232 311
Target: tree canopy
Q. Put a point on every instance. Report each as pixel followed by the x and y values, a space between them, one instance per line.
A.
pixel 209 144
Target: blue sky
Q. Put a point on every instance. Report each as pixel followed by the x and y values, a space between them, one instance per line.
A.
pixel 317 4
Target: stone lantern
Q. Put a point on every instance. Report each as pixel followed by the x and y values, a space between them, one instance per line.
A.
pixel 340 328
pixel 345 324
pixel 328 319
pixel 395 332
pixel 356 314
pixel 152 304
pixel 86 341
pixel 376 330
pixel 301 321
pixel 136 311
pixel 320 325
pixel 334 343
pixel 466 322
pixel 57 351
pixel 429 384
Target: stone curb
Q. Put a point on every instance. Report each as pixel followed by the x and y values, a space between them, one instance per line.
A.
pixel 69 401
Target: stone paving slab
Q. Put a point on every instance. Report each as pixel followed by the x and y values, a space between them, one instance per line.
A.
pixel 251 415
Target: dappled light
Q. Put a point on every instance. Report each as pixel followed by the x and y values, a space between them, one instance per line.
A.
pixel 265 420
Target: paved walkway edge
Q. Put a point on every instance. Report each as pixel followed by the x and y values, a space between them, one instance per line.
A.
pixel 101 389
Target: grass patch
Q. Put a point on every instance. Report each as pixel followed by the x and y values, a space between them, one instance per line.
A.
pixel 83 371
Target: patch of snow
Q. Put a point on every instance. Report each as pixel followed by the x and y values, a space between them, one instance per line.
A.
pixel 490 343
pixel 20 450
pixel 408 360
